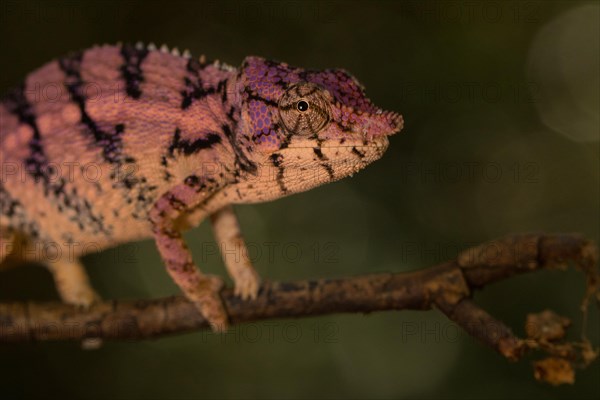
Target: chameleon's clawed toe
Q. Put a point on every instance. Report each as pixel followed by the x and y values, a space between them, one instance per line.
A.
pixel 247 285
pixel 83 299
pixel 208 301
pixel 73 285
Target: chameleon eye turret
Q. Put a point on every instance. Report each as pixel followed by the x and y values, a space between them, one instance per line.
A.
pixel 304 109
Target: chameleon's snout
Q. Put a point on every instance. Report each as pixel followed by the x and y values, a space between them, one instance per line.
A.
pixel 393 120
pixel 381 124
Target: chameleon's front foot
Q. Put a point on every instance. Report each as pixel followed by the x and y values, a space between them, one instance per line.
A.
pixel 201 289
pixel 208 301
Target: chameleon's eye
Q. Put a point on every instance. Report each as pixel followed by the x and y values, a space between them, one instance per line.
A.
pixel 304 109
pixel 302 105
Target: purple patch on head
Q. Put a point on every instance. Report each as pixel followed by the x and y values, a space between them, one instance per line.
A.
pixel 264 82
pixel 264 78
pixel 260 116
pixel 344 88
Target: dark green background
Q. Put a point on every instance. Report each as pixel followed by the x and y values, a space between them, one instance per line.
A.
pixel 475 161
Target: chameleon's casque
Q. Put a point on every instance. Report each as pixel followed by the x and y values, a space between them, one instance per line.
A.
pixel 120 143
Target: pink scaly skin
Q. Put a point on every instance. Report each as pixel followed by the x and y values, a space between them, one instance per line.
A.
pixel 121 143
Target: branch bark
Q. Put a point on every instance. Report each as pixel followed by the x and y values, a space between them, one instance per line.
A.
pixel 447 287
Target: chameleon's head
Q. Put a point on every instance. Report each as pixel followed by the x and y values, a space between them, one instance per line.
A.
pixel 312 126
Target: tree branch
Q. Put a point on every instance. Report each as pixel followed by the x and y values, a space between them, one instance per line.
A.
pixel 447 287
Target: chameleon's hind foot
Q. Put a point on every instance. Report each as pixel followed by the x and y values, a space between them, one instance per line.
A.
pixel 83 297
pixel 72 283
pixel 73 286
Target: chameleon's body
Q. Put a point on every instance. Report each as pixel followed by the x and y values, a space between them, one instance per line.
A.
pixel 121 143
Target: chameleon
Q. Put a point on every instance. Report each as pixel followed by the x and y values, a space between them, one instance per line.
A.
pixel 127 142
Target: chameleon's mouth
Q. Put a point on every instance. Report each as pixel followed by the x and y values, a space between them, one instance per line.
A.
pixel 380 143
pixel 373 149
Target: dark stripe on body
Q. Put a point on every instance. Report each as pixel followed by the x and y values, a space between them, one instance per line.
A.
pixel 194 88
pixel 253 96
pixel 329 170
pixel 277 160
pixel 358 152
pixel 286 139
pixel 242 161
pixel 200 184
pixel 111 143
pixel 324 164
pixel 38 166
pixel 131 70
pixel 188 148
pixel 13 210
pixel 36 163
pixel 319 153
